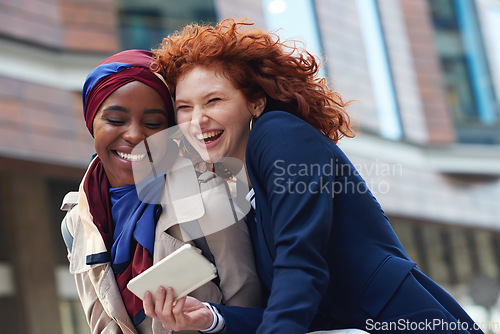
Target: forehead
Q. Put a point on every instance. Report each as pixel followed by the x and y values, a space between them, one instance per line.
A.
pixel 135 94
pixel 202 79
pixel 135 88
pixel 134 98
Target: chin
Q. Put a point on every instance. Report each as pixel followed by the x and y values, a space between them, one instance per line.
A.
pixel 125 181
pixel 216 157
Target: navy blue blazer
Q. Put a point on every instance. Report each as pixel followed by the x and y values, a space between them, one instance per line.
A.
pixel 325 251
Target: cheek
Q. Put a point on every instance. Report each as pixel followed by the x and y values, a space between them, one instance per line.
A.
pixel 103 137
pixel 97 139
pixel 184 127
pixel 99 146
pixel 182 117
pixel 242 123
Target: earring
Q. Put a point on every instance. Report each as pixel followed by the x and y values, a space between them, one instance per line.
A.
pixel 252 120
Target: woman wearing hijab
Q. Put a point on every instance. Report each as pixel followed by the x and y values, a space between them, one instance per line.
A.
pixel 113 231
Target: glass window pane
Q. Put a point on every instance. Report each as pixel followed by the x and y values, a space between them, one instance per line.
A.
pixel 380 71
pixel 476 60
pixel 466 74
pixel 282 17
pixel 143 24
pixel 493 26
pixel 450 48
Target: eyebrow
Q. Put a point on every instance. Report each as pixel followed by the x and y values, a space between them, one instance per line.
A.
pixel 155 111
pixel 115 108
pixel 205 96
pixel 125 110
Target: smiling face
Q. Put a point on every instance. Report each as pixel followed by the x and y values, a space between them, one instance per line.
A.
pixel 129 115
pixel 213 114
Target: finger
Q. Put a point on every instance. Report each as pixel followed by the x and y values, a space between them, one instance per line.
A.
pixel 178 312
pixel 178 309
pixel 160 301
pixel 169 301
pixel 168 318
pixel 148 305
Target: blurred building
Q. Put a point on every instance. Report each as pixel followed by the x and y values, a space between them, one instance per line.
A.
pixel 424 77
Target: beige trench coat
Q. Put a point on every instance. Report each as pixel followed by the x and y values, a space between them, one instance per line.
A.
pixel 230 246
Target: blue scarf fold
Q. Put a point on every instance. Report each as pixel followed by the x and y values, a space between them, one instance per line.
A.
pixel 134 221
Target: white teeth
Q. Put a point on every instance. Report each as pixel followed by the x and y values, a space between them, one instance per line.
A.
pixel 131 157
pixel 202 136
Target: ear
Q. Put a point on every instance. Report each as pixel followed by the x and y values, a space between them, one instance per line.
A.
pixel 258 106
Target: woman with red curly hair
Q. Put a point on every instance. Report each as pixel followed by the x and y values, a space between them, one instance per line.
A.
pixel 325 251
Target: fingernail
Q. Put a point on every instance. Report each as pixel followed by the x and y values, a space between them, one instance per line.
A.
pixel 169 291
pixel 161 289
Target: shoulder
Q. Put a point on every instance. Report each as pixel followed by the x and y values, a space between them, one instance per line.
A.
pixel 69 201
pixel 70 205
pixel 279 131
pixel 279 123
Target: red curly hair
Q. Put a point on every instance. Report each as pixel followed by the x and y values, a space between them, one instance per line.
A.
pixel 258 64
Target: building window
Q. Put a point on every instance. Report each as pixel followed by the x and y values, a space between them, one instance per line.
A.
pixel 143 24
pixel 380 70
pixel 457 258
pixel 466 73
pixel 282 16
pixel 492 25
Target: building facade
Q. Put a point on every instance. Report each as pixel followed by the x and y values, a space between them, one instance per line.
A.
pixel 423 77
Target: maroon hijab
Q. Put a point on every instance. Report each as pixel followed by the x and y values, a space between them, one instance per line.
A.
pixel 111 74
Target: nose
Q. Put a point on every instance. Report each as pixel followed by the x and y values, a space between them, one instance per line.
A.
pixel 199 117
pixel 134 133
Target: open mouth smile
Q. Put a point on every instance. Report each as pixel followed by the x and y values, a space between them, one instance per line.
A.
pixel 209 136
pixel 130 157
